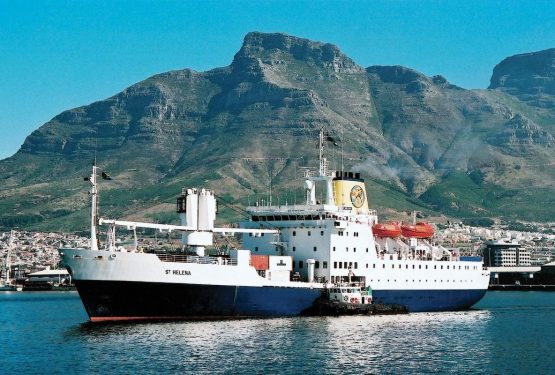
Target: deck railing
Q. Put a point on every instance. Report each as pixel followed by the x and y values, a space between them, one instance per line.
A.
pixel 182 258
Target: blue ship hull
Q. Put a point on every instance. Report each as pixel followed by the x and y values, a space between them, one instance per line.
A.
pixel 430 300
pixel 112 301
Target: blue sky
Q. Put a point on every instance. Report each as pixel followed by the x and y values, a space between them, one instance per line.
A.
pixel 57 55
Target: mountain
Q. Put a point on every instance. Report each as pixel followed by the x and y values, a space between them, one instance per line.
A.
pixel 529 76
pixel 251 128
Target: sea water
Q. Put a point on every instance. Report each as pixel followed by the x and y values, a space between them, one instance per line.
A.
pixel 505 333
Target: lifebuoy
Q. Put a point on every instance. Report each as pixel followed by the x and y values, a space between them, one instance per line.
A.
pixel 354 300
pixel 345 298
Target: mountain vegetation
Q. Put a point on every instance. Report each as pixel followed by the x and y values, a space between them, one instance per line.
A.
pixel 249 131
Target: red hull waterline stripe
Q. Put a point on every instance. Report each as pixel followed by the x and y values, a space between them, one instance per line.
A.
pixel 101 319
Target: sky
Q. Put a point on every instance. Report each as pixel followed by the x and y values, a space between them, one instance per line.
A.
pixel 58 55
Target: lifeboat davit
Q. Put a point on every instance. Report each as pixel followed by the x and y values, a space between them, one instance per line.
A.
pixel 418 230
pixel 390 230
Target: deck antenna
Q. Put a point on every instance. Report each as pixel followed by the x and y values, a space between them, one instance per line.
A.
pixel 342 161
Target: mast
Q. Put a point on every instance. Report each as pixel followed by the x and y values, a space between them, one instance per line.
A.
pixel 323 170
pixel 8 259
pixel 94 208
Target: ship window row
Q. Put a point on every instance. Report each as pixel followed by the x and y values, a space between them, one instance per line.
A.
pixel 294 248
pixel 346 265
pixel 288 217
pixel 316 264
pixel 420 266
pixel 342 233
pixel 308 233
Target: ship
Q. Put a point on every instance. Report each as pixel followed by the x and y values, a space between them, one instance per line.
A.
pixel 291 256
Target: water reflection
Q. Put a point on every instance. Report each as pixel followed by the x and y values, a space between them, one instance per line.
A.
pixel 510 333
pixel 412 343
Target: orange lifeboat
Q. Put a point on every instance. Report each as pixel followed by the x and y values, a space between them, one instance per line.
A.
pixel 391 229
pixel 418 230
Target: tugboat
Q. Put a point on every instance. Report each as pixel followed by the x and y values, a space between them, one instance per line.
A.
pixel 291 257
pixel 351 294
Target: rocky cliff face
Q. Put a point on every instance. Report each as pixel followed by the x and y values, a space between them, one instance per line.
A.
pixel 243 128
pixel 529 76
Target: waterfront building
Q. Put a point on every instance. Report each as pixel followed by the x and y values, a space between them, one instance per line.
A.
pixel 505 253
